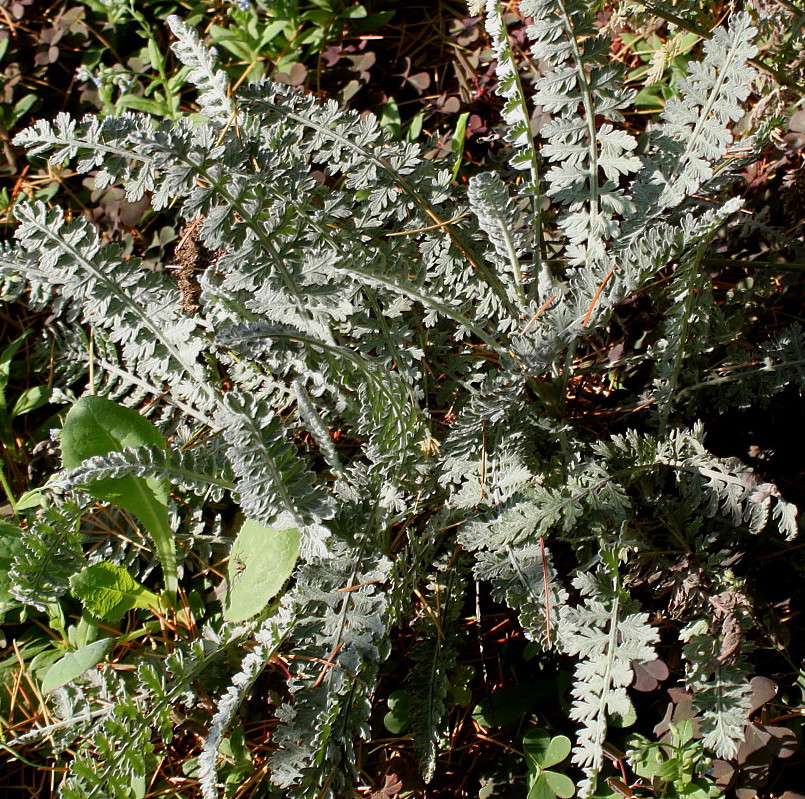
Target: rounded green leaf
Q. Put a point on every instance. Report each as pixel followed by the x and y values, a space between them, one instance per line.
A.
pixel 558 750
pixel 97 426
pixel 617 720
pixel 398 717
pixel 260 563
pixel 74 664
pixel 540 789
pixel 535 745
pixel 507 705
pixel 461 695
pixel 560 784
pixel 109 591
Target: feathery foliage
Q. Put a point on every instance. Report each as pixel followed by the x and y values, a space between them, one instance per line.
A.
pixel 370 364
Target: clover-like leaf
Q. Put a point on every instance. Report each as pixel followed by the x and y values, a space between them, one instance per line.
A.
pixel 550 785
pixel 398 716
pixel 543 751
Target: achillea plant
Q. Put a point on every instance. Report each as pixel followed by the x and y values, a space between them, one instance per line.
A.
pixel 337 321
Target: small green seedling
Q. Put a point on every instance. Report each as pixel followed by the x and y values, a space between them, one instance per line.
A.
pixel 676 769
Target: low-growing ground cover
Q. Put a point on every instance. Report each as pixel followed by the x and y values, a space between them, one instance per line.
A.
pixel 458 468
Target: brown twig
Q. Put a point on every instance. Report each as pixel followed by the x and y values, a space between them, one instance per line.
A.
pixel 597 295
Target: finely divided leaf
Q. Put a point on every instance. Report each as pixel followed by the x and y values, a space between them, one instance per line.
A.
pixel 212 84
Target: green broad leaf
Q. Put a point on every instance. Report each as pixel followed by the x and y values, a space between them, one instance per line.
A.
pixel 461 695
pixel 669 771
pixel 22 106
pixel 83 632
pixel 540 789
pixel 155 55
pixel 560 784
pixel 9 532
pixel 108 591
pixel 398 717
pixel 457 143
pixel 414 127
pixel 74 664
pixel 545 750
pixel 320 19
pixel 43 660
pixel 648 765
pixel 616 720
pixel 147 106
pixel 372 21
pixel 270 32
pixel 356 12
pixel 236 755
pixel 697 790
pixel 30 399
pixel 230 41
pixel 507 704
pixel 137 786
pixel 260 562
pixel 97 426
pixel 649 99
pixel 390 117
pixel 30 499
pixel 682 732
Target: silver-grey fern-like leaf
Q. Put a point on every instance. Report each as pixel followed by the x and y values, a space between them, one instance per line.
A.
pixel 272 478
pixel 515 111
pixel 607 636
pixel 694 133
pixel 498 217
pixel 525 579
pixel 140 310
pixel 581 85
pixel 341 631
pixel 433 655
pixel 180 467
pixel 266 643
pixel 722 694
pixel 212 83
pixel 51 552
